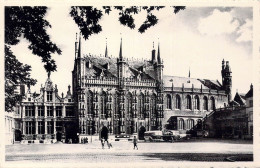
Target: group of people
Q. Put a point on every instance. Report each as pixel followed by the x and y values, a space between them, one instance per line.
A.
pixel 103 140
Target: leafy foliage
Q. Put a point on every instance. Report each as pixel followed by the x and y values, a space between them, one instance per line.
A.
pixel 15 74
pixel 29 22
pixel 87 18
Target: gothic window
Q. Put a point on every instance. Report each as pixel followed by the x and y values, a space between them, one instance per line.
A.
pixel 188 102
pixel 190 123
pixel 212 103
pixel 180 124
pixel 69 111
pixel 178 102
pixel 90 103
pixel 29 111
pixel 197 103
pixel 153 105
pixel 49 96
pixel 29 127
pixel 41 111
pixel 169 101
pixel 40 127
pixel 205 103
pixel 103 104
pixel 129 104
pixel 141 105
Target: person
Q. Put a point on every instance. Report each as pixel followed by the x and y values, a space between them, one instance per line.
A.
pixel 102 142
pixel 135 142
pixel 109 144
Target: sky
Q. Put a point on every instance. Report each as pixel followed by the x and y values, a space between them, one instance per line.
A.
pixel 197 38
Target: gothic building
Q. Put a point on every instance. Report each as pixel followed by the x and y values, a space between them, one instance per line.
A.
pixel 117 95
pixel 130 96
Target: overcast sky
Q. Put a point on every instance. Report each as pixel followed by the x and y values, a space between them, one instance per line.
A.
pixel 195 38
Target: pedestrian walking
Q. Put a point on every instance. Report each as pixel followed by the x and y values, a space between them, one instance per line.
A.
pixel 102 142
pixel 135 142
pixel 109 144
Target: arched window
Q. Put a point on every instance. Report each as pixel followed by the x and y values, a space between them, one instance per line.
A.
pixel 190 123
pixel 129 105
pixel 188 102
pixel 205 103
pixel 178 102
pixel 212 103
pixel 197 103
pixel 180 124
pixel 169 101
pixel 103 104
pixel 90 103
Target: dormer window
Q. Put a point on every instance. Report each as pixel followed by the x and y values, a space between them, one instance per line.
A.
pixel 69 100
pixel 49 96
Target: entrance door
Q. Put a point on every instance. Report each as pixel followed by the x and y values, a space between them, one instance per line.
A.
pixel 58 136
pixel 104 133
pixel 141 133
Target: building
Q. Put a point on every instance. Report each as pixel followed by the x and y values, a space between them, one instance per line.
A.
pixel 233 121
pixel 9 128
pixel 117 95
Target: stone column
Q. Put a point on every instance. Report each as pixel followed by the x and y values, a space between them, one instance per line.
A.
pixel 63 111
pixel 23 111
pixel 24 127
pixel 36 127
pixel 54 111
pixel 45 111
pixel 45 125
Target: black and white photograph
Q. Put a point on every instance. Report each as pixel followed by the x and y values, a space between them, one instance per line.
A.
pixel 92 85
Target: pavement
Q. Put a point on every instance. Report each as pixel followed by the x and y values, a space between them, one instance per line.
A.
pixel 193 150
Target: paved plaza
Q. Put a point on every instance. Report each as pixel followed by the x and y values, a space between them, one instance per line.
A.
pixel 193 150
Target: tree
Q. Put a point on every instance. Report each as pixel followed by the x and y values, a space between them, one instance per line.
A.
pixel 15 74
pixel 87 17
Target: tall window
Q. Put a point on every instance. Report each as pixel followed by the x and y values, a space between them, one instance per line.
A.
pixel 141 105
pixel 90 103
pixel 29 111
pixel 41 111
pixel 188 102
pixel 40 127
pixel 153 105
pixel 50 127
pixel 212 103
pixel 29 127
pixel 103 104
pixel 197 103
pixel 169 101
pixel 69 111
pixel 50 111
pixel 58 126
pixel 49 96
pixel 129 104
pixel 58 111
pixel 205 103
pixel 178 102
pixel 181 124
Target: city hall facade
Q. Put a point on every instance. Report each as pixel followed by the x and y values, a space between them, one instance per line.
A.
pixel 115 95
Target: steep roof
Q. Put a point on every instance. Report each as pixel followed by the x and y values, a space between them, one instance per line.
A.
pixel 250 92
pixel 239 99
pixel 188 82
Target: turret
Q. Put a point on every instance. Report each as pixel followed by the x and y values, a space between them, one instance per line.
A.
pixel 153 55
pixel 121 68
pixel 159 70
pixel 227 79
pixel 106 51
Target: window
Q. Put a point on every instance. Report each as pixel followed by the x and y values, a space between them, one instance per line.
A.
pixel 50 127
pixel 181 124
pixel 250 103
pixel 169 102
pixel 178 102
pixel 205 103
pixel 69 111
pixel 90 103
pixel 141 106
pixel 58 126
pixel 50 111
pixel 29 111
pixel 129 104
pixel 153 105
pixel 29 127
pixel 197 103
pixel 49 96
pixel 212 103
pixel 190 123
pixel 58 111
pixel 188 102
pixel 41 111
pixel 103 104
pixel 40 127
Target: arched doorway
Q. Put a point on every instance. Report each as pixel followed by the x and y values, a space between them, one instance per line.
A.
pixel 104 133
pixel 141 133
pixel 18 135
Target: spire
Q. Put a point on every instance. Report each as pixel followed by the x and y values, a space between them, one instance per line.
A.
pixel 158 55
pixel 189 72
pixel 106 49
pixel 120 52
pixel 79 49
pixel 76 45
pixel 153 54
